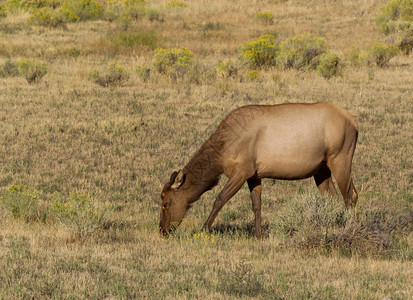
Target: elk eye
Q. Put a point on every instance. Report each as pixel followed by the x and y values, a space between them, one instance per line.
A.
pixel 165 206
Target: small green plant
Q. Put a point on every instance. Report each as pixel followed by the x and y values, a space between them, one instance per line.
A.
pixel 260 52
pixel 153 14
pixel 9 69
pixel 175 61
pixel 32 69
pixel 228 68
pixel 380 54
pixel 253 75
pixel 11 5
pixel 353 56
pixel 144 73
pixel 301 52
pixel 79 213
pixel 2 12
pixel 265 17
pixel 115 75
pixel 397 15
pixel 176 3
pixel 329 65
pixel 22 202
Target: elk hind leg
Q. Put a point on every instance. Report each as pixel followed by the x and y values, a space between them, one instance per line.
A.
pixel 341 168
pixel 324 180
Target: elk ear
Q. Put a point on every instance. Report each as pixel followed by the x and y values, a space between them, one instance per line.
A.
pixel 172 178
pixel 178 180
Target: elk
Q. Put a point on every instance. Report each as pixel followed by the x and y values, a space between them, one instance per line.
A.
pixel 285 141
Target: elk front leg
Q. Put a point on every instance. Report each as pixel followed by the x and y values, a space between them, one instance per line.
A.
pixel 254 185
pixel 231 187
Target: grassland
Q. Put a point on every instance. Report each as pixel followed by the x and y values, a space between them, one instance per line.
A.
pixel 119 144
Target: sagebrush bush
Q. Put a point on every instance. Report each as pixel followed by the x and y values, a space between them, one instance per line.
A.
pixel 48 17
pixel 80 10
pixel 300 52
pixel 260 52
pixel 397 15
pixel 353 56
pixel 9 69
pixel 405 43
pixel 32 70
pixel 174 61
pixel 380 54
pixel 240 280
pixel 265 17
pixel 314 221
pixel 329 65
pixel 22 203
pixel 80 213
pixel 115 75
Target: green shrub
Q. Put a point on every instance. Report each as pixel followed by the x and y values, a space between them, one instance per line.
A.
pixel 353 56
pixel 22 203
pixel 176 3
pixel 12 5
pixel 397 15
pixel 174 61
pixel 115 75
pixel 265 17
pixel 329 65
pixel 2 12
pixel 260 52
pixel 48 17
pixel 80 213
pixel 406 41
pixel 381 54
pixel 32 69
pixel 80 10
pixel 9 69
pixel 301 52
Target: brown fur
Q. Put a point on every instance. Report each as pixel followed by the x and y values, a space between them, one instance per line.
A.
pixel 287 141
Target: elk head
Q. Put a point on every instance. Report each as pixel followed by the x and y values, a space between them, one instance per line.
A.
pixel 175 201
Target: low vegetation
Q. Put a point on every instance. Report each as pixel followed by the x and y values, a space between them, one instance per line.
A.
pixel 113 76
pixel 102 100
pixel 32 70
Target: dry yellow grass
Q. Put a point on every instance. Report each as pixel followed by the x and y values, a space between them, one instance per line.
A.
pixel 120 144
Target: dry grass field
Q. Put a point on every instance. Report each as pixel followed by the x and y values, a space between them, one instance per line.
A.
pixel 94 159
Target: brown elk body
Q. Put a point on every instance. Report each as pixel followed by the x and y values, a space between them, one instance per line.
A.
pixel 286 141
